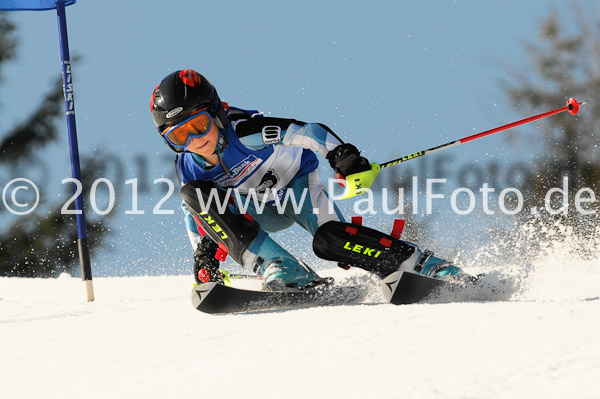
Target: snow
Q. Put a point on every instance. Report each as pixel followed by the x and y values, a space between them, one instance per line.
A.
pixel 142 338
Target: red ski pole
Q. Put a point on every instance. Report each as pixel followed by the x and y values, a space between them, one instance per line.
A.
pixel 572 106
pixel 356 183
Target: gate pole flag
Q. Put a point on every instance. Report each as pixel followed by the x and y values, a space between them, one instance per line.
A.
pixel 59 5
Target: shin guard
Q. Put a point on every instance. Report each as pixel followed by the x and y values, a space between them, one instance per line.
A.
pixel 363 247
pixel 209 205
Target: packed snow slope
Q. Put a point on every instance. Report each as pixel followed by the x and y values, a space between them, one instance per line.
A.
pixel 536 337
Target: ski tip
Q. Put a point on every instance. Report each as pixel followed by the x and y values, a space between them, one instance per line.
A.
pixel 389 285
pixel 200 292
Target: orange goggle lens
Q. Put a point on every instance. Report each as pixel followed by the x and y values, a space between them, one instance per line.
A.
pixel 196 125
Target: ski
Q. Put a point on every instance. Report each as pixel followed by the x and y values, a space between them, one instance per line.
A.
pixel 216 298
pixel 403 288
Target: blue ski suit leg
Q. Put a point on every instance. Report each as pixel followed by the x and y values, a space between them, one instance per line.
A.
pixel 307 205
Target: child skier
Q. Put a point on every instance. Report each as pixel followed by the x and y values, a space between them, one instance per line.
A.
pixel 264 158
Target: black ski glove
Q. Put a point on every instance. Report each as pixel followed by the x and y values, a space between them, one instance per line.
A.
pixel 346 160
pixel 206 267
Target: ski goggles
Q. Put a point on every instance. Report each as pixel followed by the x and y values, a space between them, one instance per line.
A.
pixel 197 125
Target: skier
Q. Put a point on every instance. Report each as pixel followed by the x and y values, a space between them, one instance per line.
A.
pixel 264 158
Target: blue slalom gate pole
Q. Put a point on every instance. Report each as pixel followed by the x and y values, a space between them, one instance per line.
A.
pixel 59 5
pixel 82 242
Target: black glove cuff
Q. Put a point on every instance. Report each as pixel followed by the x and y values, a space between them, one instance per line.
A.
pixel 346 159
pixel 340 152
pixel 206 247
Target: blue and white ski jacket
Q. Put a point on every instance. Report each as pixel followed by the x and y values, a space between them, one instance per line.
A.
pixel 262 153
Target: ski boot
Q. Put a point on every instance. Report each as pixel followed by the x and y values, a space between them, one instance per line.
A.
pixel 432 266
pixel 285 274
pixel 280 270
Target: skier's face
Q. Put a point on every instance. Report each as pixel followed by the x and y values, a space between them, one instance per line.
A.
pixel 205 146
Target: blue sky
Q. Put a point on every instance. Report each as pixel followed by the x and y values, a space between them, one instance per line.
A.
pixel 392 77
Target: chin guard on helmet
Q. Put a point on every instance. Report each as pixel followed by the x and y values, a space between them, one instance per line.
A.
pixel 232 230
pixel 352 244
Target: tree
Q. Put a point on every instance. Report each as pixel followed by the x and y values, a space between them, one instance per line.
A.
pixel 44 243
pixel 564 63
pixel 9 42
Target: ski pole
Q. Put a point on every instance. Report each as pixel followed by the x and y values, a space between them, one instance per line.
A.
pixel 356 183
pixel 572 106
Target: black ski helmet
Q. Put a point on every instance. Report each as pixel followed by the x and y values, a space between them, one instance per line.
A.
pixel 180 94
